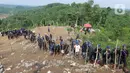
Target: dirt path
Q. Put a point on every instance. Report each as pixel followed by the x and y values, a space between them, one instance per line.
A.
pixel 55 31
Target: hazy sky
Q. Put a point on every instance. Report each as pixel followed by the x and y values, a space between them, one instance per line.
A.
pixel 102 3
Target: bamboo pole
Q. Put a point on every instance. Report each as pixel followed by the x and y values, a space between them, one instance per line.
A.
pixel 96 57
pixel 116 55
pixel 86 58
pixel 120 57
pixel 106 57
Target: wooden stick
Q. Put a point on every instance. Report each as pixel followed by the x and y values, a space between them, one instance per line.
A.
pixel 86 55
pixel 120 58
pixel 96 56
pixel 106 57
pixel 116 55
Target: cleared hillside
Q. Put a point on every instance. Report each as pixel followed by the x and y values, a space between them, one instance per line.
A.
pixel 20 55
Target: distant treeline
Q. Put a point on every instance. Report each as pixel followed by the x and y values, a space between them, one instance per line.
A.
pixel 11 9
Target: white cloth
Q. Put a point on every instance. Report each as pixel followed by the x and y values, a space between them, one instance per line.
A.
pixel 62 51
pixel 77 48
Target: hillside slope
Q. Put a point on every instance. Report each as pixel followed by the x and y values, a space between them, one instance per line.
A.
pixel 12 9
pixel 20 55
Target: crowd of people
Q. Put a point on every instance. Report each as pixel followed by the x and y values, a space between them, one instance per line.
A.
pixel 86 51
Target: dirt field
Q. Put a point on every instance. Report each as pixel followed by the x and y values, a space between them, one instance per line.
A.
pixel 22 56
pixel 2 16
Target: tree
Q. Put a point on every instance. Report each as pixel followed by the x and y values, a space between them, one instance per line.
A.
pixel 90 2
pixel 0 22
pixel 87 12
pixel 96 14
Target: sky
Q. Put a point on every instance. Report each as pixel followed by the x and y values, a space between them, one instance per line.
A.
pixel 102 3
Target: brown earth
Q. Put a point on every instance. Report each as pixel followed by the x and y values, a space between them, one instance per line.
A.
pixel 2 16
pixel 12 52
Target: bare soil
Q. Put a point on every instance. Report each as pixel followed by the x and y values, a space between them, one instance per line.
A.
pixel 12 52
pixel 2 16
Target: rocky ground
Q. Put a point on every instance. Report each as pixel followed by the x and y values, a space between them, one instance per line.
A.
pixel 22 56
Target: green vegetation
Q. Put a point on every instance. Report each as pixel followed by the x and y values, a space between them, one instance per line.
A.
pixel 112 26
pixel 69 30
pixel 12 9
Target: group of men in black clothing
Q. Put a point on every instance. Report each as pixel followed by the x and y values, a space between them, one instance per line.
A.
pixel 44 42
pixel 89 53
pixel 107 55
pixel 28 34
pixel 54 46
